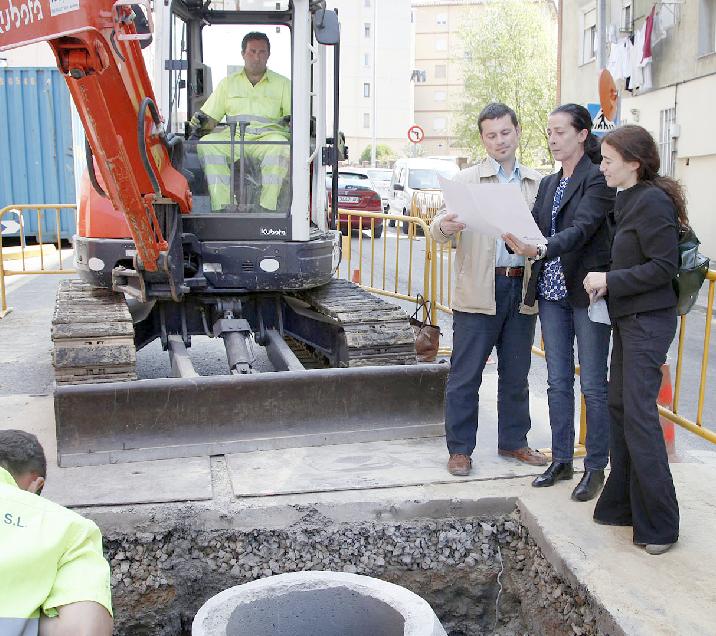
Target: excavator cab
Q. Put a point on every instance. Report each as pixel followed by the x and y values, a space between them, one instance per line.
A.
pixel 238 155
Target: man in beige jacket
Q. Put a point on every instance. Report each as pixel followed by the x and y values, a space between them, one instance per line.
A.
pixel 489 310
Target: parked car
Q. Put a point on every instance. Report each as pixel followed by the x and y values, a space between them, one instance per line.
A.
pixel 379 177
pixel 415 174
pixel 381 183
pixel 356 192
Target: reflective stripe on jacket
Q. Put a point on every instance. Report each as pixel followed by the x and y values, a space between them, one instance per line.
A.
pixel 268 101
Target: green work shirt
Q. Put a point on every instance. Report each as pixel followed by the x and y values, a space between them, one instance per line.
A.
pixel 236 95
pixel 49 557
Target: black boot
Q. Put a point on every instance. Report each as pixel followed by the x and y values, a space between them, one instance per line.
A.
pixel 556 472
pixel 589 486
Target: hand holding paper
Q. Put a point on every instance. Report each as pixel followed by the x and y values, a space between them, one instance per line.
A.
pixel 518 247
pixel 449 224
pixel 491 208
pixel 599 312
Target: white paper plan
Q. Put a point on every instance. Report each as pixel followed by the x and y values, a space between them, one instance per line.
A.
pixel 491 208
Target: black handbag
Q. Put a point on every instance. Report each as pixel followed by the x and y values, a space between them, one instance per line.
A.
pixel 693 268
pixel 427 336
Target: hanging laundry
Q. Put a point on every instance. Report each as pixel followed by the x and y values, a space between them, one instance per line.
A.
pixel 648 30
pixel 646 82
pixel 659 31
pixel 667 17
pixel 619 64
pixel 612 34
pixel 636 71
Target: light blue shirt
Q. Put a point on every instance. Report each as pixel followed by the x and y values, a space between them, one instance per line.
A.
pixel 502 257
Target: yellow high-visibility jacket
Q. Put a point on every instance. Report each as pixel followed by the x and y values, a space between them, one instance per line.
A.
pixel 269 100
pixel 49 557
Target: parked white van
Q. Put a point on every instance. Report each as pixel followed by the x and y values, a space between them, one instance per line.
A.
pixel 412 174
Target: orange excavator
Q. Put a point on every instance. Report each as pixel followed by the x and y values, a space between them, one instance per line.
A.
pixel 156 261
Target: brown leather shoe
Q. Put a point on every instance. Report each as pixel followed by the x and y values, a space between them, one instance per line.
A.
pixel 459 465
pixel 526 455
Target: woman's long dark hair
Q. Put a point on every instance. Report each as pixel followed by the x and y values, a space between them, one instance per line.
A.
pixel 634 143
pixel 582 120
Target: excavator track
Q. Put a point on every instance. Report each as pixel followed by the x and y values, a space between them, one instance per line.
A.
pixel 377 332
pixel 92 336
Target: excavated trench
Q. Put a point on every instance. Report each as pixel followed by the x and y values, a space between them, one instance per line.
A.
pixel 480 575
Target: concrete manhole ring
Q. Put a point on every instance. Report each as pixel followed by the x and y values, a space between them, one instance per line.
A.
pixel 317 603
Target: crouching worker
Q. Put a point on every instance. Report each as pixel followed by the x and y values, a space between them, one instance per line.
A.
pixel 54 579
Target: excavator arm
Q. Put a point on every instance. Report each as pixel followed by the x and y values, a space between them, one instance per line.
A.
pixel 97 48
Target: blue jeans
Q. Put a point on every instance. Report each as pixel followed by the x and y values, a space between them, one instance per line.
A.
pixel 560 324
pixel 474 336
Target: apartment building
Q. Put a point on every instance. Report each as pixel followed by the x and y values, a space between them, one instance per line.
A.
pixel 438 71
pixel 673 95
pixel 376 62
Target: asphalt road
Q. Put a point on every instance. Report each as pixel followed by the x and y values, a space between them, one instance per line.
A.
pixel 25 347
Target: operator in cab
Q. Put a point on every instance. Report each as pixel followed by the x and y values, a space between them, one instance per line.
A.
pixel 263 95
pixel 54 579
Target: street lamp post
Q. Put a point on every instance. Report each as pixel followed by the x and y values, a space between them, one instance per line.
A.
pixel 373 108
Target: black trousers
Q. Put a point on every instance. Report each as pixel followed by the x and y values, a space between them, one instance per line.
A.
pixel 639 491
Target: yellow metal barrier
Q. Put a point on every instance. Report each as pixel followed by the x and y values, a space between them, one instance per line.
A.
pixel 425 204
pixel 672 414
pixel 26 252
pixel 380 280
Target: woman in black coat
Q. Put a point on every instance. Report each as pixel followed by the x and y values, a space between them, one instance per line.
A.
pixel 642 305
pixel 571 210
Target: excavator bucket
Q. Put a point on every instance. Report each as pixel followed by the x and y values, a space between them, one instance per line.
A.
pixel 116 422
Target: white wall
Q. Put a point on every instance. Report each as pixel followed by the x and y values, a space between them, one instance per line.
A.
pixel 39 54
pixel 695 146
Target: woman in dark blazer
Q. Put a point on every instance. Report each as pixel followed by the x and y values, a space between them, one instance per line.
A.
pixel 642 305
pixel 571 210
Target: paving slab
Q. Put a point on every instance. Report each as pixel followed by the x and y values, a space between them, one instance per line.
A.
pixel 159 481
pixel 261 473
pixel 385 464
pixel 411 462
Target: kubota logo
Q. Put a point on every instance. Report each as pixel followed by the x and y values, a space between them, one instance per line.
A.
pixel 269 231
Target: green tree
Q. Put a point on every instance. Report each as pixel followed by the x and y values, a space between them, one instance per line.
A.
pixel 383 152
pixel 510 56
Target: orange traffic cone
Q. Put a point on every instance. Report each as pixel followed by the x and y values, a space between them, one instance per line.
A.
pixel 666 399
pixel 356 277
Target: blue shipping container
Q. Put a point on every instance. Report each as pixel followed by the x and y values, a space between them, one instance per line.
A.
pixel 36 147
